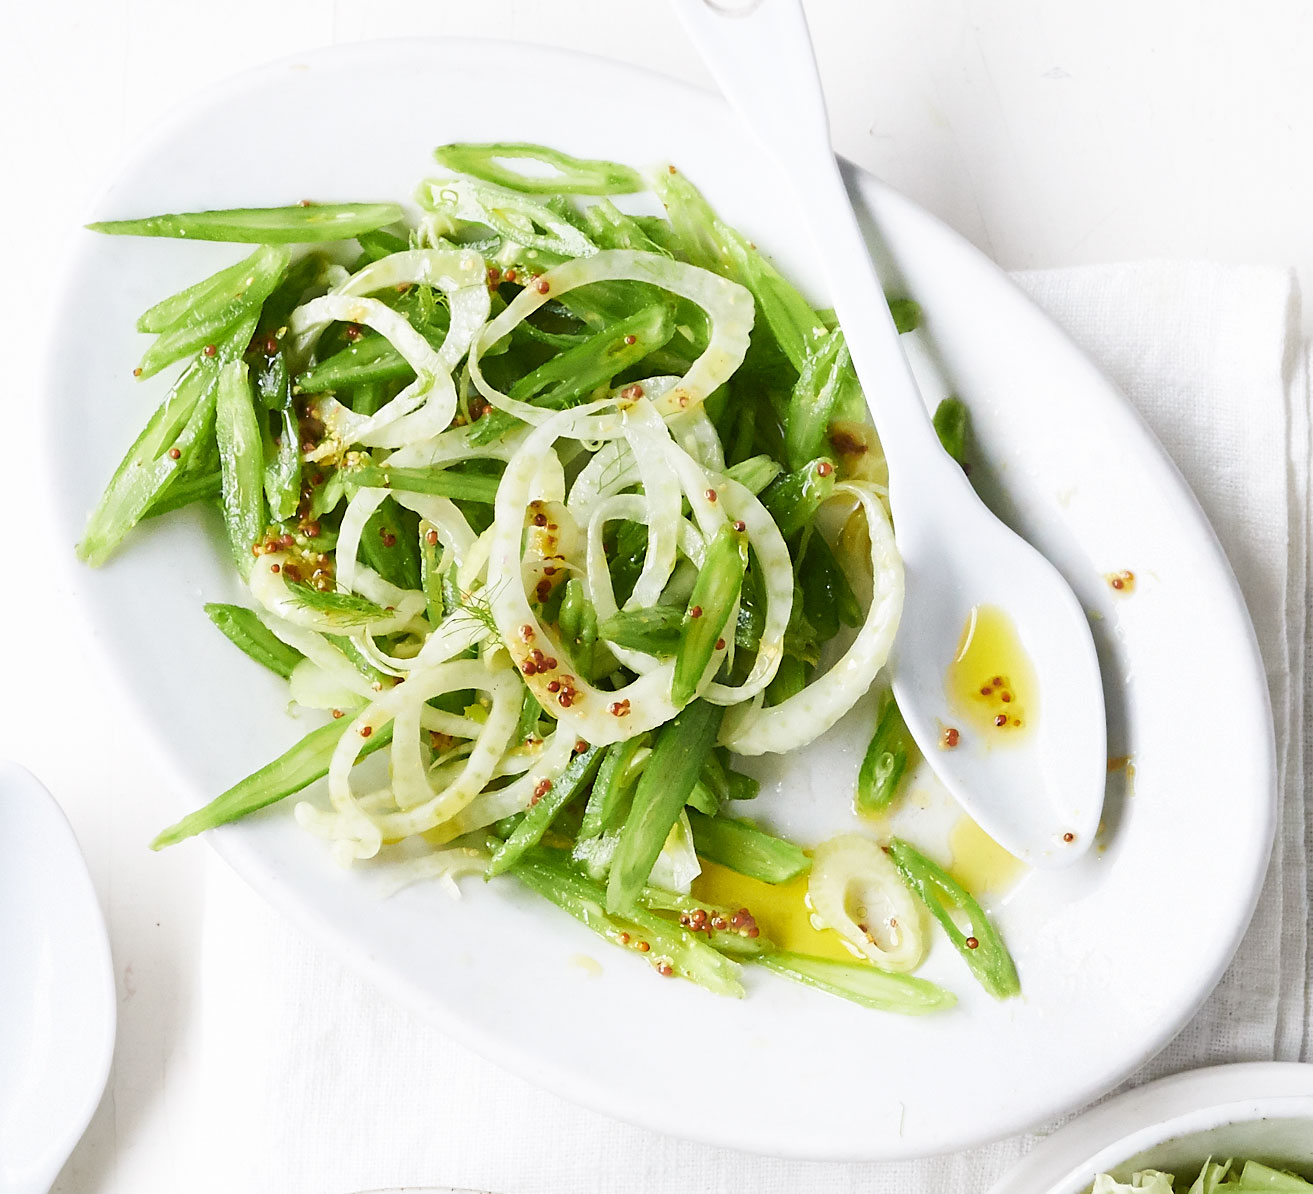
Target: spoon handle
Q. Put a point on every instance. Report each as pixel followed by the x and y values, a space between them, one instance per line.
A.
pixel 760 53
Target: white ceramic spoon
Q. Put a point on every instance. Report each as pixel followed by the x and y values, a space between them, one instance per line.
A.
pixel 1040 795
pixel 57 1007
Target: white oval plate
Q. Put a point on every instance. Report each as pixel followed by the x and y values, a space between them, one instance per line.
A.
pixel 787 1070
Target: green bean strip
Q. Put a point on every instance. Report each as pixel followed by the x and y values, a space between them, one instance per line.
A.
pixel 886 759
pixel 755 473
pixel 709 607
pixel 614 778
pixel 827 598
pixel 376 245
pixel 715 778
pixel 790 679
pixel 188 487
pixel 465 487
pixel 389 544
pixel 815 583
pixel 681 952
pixel 451 594
pixel 718 783
pixel 305 278
pixel 744 848
pixel 242 463
pixel 742 787
pixel 293 770
pixel 530 713
pixel 204 299
pixel 654 630
pixel 737 942
pixel 752 609
pixel 824 581
pixel 702 799
pixel 793 499
pixel 585 655
pixel 368 397
pixel 610 228
pixel 578 371
pixel 555 795
pixel 571 615
pixel 789 316
pixel 599 355
pixel 861 983
pixel 572 176
pixel 626 561
pixel 712 244
pixel 430 578
pixel 814 397
pixel 246 632
pixel 577 620
pixel 682 747
pixel 540 229
pixel 982 946
pixel 369 359
pixel 358 659
pixel 294 225
pixel 723 782
pixel 326 496
pixel 951 427
pixel 767 433
pixel 906 313
pixel 179 430
pixel 203 327
pixel 529 330
pixel 738 449
pixel 800 636
pixel 282 473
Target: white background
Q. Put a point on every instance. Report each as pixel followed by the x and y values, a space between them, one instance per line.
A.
pixel 1049 134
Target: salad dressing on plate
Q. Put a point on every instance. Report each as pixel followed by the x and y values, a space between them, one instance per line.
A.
pixel 781 910
pixel 980 864
pixel 991 682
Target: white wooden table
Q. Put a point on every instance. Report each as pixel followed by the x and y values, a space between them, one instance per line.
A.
pixel 1048 134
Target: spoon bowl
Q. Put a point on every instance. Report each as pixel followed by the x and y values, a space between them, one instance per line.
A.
pixel 1040 796
pixel 57 1002
pixel 1036 788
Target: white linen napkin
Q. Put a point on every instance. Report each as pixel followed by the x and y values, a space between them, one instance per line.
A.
pixel 311 1083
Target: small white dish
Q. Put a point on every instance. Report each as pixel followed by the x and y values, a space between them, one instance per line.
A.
pixel 1057 452
pixel 1259 1111
pixel 57 1004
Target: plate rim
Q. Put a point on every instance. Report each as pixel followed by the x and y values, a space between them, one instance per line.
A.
pixel 246 861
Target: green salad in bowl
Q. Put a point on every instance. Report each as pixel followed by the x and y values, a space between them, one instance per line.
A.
pixel 1216 1177
pixel 556 511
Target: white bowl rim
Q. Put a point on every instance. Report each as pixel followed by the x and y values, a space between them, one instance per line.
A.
pixel 1149 1115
